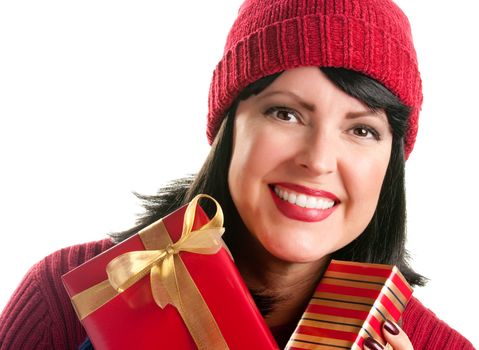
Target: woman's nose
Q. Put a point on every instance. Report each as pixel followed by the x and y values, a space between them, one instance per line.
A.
pixel 318 154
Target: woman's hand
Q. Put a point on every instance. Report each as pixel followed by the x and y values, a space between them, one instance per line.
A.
pixel 394 335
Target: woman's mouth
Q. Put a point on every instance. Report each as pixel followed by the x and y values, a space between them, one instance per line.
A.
pixel 302 200
pixel 302 203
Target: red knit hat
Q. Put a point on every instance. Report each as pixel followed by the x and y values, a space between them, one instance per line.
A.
pixel 270 36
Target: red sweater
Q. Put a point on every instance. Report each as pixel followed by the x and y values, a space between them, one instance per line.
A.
pixel 39 315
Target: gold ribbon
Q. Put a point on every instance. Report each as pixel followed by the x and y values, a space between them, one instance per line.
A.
pixel 171 282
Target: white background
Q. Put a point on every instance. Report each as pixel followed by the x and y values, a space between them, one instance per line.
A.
pixel 102 98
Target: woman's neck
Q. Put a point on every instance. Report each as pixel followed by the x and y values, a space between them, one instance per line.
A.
pixel 286 287
pixel 290 287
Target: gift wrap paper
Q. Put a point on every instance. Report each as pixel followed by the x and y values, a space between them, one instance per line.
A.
pixel 212 302
pixel 349 305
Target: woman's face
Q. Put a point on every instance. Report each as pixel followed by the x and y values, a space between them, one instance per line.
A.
pixel 307 166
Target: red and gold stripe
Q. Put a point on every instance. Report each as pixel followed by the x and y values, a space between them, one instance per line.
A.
pixel 349 305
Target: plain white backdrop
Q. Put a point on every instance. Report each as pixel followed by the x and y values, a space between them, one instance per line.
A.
pixel 102 98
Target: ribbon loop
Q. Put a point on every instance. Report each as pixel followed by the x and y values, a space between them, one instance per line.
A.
pixel 125 270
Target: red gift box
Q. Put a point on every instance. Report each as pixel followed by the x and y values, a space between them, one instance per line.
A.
pixel 131 319
pixel 349 305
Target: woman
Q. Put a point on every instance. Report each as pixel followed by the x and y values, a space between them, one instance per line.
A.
pixel 307 163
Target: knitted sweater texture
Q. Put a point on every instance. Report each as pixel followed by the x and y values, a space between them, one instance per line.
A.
pixel 39 314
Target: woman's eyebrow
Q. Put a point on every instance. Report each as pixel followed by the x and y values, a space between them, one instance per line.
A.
pixel 367 113
pixel 310 107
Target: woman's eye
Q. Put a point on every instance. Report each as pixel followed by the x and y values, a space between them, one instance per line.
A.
pixel 366 132
pixel 283 114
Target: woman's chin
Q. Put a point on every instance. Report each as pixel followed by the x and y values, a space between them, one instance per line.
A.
pixel 294 255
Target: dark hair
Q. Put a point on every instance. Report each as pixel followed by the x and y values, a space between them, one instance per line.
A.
pixel 383 241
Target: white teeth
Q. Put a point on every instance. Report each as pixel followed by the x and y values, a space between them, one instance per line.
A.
pixel 301 200
pixel 311 202
pixel 304 201
pixel 321 203
pixel 292 198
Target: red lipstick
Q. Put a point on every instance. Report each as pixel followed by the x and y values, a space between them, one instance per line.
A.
pixel 296 212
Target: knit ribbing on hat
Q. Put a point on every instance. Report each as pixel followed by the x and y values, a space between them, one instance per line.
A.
pixel 269 36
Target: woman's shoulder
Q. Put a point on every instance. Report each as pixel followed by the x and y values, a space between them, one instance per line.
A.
pixel 427 331
pixel 39 314
pixel 48 271
pixel 66 259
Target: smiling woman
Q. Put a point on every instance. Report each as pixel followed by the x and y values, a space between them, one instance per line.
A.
pixel 313 111
pixel 325 160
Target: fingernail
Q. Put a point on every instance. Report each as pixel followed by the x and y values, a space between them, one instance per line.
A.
pixel 391 327
pixel 372 344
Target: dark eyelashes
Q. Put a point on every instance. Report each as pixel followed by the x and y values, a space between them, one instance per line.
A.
pixel 373 131
pixel 275 109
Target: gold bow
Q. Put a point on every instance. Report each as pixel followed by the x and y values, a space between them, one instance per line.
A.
pixel 125 270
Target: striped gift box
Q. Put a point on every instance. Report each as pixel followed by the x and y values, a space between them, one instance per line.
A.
pixel 349 305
